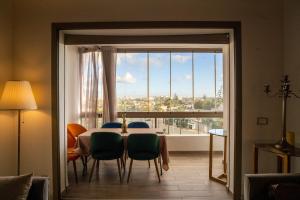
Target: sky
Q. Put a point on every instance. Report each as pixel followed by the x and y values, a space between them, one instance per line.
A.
pixel 132 74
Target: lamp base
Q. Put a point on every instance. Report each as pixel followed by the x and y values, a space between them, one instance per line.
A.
pixel 284 145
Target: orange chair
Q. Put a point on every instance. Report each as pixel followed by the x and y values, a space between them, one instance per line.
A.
pixel 75 129
pixel 72 154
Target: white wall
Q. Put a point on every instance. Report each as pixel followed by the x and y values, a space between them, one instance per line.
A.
pixel 8 136
pixel 71 82
pixel 193 143
pixel 262 51
pixel 292 66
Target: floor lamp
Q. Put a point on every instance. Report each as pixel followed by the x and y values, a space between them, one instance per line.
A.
pixel 17 95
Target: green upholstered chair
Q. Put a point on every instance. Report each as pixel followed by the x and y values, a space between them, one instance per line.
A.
pixel 139 125
pixel 106 146
pixel 143 147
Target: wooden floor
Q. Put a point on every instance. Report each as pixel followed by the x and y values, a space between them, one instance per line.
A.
pixel 187 178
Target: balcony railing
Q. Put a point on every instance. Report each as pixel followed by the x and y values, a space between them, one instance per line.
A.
pixel 182 123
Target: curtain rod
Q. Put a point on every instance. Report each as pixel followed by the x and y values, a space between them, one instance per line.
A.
pixel 152 50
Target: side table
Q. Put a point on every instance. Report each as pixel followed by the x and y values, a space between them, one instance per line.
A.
pixel 220 178
pixel 283 157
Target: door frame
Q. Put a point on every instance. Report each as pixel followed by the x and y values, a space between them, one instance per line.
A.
pixel 235 26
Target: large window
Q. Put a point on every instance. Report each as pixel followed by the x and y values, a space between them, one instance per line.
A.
pixel 170 82
pixel 174 83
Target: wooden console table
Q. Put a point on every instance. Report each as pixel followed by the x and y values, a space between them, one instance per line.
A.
pixel 283 157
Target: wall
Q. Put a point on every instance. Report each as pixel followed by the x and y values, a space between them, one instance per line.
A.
pixel 262 23
pixel 195 143
pixel 292 65
pixel 8 137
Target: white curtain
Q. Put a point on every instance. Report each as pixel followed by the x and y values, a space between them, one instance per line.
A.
pixel 109 59
pixel 89 66
pixel 72 85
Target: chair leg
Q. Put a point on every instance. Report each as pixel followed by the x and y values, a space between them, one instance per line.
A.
pixel 119 170
pixel 149 163
pixel 93 167
pixel 75 171
pixel 159 160
pixel 155 162
pixel 82 160
pixel 84 163
pixel 123 163
pixel 130 167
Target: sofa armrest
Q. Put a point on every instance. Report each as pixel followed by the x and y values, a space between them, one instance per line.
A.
pixel 256 185
pixel 39 189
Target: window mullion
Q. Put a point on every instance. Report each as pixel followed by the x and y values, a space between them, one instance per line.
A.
pixel 215 79
pixel 148 81
pixel 193 80
pixel 170 66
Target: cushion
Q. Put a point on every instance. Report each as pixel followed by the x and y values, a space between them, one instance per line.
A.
pixel 284 191
pixel 15 187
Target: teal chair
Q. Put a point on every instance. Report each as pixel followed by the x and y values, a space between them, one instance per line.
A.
pixel 106 146
pixel 139 125
pixel 143 147
pixel 112 125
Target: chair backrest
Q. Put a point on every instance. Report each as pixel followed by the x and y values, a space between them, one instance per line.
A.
pixel 75 129
pixel 106 142
pixel 71 140
pixel 143 143
pixel 112 125
pixel 138 125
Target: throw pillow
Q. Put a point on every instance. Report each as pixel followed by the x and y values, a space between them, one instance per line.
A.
pixel 15 187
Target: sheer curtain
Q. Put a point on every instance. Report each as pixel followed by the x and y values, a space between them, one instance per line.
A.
pixel 90 70
pixel 109 59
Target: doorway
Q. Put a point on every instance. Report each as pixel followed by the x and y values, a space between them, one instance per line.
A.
pixel 61 37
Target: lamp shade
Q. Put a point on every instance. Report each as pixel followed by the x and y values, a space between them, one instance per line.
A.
pixel 17 95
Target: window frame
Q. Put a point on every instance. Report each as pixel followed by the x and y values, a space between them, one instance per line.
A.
pixel 173 114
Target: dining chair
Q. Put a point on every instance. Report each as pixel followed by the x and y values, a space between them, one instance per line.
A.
pixel 76 130
pixel 138 125
pixel 112 125
pixel 143 147
pixel 72 155
pixel 106 146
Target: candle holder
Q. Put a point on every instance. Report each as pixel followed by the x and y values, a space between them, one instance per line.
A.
pixel 124 124
pixel 284 92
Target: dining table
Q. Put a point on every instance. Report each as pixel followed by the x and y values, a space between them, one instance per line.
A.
pixel 84 141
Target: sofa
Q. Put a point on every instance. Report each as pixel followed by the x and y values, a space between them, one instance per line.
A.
pixel 258 186
pixel 39 189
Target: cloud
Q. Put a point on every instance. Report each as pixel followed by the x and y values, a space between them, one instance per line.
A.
pixel 181 58
pixel 188 77
pixel 132 59
pixel 127 78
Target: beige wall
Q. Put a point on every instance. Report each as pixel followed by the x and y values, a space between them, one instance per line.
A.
pixel 292 65
pixel 262 46
pixel 8 137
